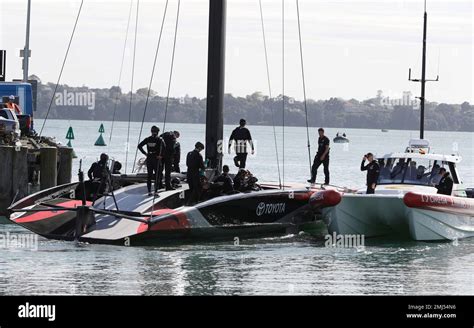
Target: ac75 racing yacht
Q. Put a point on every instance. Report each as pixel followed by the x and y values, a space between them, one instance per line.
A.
pixel 126 215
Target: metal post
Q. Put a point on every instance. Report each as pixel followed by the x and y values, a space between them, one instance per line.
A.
pixel 26 52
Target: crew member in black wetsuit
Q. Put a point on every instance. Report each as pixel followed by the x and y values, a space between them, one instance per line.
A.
pixel 195 164
pixel 177 157
pixel 225 180
pixel 98 173
pixel 98 170
pixel 241 136
pixel 373 171
pixel 322 157
pixel 170 141
pixel 445 185
pixel 154 154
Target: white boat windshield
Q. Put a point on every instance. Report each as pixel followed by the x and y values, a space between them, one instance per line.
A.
pixel 413 171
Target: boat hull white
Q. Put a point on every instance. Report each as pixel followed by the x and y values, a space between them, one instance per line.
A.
pixel 403 215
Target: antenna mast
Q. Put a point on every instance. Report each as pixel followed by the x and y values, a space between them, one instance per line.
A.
pixel 423 79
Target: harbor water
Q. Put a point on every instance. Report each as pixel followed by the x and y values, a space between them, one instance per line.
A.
pixel 292 264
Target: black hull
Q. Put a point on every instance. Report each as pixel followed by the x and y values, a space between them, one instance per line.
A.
pixel 234 235
pixel 165 220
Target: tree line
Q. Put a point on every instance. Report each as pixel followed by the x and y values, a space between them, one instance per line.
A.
pixel 257 108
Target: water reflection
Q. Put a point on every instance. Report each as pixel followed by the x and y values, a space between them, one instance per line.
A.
pixel 294 265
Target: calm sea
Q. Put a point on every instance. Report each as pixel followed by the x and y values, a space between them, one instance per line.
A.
pixel 284 265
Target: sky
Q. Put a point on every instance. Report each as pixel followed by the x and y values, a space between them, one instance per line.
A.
pixel 351 49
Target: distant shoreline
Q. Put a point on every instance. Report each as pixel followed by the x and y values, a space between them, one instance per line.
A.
pixel 380 112
pixel 255 125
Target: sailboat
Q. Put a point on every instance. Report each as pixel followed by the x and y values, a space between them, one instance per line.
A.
pixel 406 202
pixel 128 216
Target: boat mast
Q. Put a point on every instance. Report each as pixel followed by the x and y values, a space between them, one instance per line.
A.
pixel 26 50
pixel 423 79
pixel 215 83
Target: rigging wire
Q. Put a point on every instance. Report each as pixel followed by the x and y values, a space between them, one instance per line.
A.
pixel 169 84
pixel 121 70
pixel 172 65
pixel 151 80
pixel 439 59
pixel 283 81
pixel 304 83
pixel 131 84
pixel 62 68
pixel 270 91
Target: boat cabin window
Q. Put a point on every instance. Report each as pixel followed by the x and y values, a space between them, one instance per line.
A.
pixel 416 171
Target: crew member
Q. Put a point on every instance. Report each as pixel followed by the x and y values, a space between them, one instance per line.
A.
pixel 13 106
pixel 322 157
pixel 241 136
pixel 445 186
pixel 373 171
pixel 170 141
pixel 154 155
pixel 239 180
pixel 225 180
pixel 177 157
pixel 195 164
pixel 97 174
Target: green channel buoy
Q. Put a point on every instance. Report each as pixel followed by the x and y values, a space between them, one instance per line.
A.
pixel 70 134
pixel 100 141
pixel 69 137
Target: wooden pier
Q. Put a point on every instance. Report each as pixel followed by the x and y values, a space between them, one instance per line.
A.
pixel 36 164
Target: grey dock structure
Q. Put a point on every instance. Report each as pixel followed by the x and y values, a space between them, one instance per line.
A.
pixel 35 165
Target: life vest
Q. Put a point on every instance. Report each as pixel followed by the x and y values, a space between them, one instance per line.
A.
pixel 14 107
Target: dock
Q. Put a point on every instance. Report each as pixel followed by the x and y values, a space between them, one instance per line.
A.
pixel 31 165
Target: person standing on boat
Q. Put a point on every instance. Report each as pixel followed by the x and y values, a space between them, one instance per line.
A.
pixel 373 172
pixel 168 154
pixel 322 157
pixel 445 186
pixel 195 164
pixel 154 155
pixel 241 136
pixel 177 157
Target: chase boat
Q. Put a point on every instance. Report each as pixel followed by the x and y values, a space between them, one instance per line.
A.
pixel 406 202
